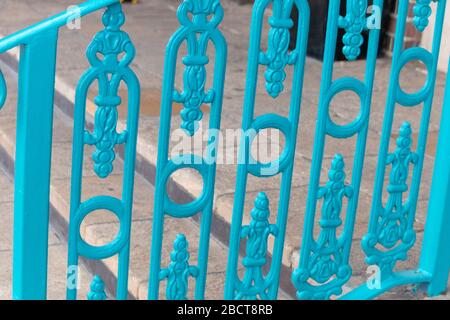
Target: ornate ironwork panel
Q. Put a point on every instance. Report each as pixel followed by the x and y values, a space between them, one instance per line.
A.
pixel 199 21
pixel 391 229
pixel 276 59
pixel 110 55
pixel 324 262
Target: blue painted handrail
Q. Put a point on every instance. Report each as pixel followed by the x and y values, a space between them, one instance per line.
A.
pixel 53 23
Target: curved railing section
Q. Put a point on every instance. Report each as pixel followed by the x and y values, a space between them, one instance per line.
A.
pixel 110 55
pixel 254 284
pixel 391 228
pixel 324 266
pixel 199 21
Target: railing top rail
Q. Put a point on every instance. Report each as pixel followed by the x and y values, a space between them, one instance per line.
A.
pixel 23 36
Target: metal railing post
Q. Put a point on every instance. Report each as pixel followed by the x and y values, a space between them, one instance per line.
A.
pixel 32 168
pixel 435 257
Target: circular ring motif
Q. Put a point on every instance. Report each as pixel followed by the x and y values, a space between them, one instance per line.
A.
pixel 271 121
pixel 112 205
pixel 414 99
pixel 187 210
pixel 345 131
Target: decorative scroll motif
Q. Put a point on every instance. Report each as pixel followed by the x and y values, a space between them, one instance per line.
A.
pixel 325 265
pixel 109 43
pixel 97 289
pixel 194 79
pixel 354 24
pixel 422 12
pixel 277 57
pixel 200 32
pixel 393 225
pixel 254 284
pixel 193 96
pixel 179 270
pixel 3 90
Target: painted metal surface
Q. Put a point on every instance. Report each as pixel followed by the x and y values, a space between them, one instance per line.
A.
pixel 391 228
pixel 97 292
pixel 33 158
pixel 275 60
pixel 435 256
pixel 324 267
pixel 34 144
pixel 110 55
pixel 199 29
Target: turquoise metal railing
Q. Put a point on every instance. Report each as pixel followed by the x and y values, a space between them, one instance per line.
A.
pixel 324 267
pixel 435 256
pixel 38 46
pixel 199 27
pixel 325 260
pixel 391 228
pixel 254 283
pixel 117 52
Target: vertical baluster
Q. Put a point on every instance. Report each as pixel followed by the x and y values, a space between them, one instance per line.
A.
pixel 276 59
pixel 305 277
pixel 435 257
pixel 200 20
pixel 398 218
pixel 110 55
pixel 33 161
